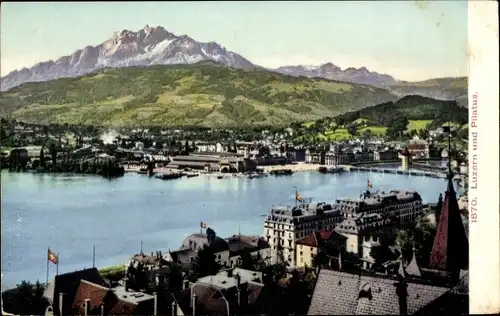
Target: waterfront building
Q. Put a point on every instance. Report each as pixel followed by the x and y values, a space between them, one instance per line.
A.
pixel 418 148
pixel 376 213
pixel 296 154
pixel 284 225
pixel 212 162
pixel 227 251
pixel 385 154
pixel 311 245
pixel 315 157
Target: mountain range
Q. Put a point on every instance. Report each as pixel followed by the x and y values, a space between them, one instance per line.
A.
pixel 205 93
pixel 157 46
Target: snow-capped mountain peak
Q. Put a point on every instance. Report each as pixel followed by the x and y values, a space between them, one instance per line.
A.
pixel 147 46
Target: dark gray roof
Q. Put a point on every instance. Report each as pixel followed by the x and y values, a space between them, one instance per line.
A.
pixel 338 293
pixel 197 241
pixel 183 255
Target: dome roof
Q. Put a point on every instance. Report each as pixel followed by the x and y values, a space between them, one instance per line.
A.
pixel 198 241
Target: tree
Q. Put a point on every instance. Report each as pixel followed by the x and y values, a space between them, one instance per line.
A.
pixel 53 153
pixel 273 273
pixel 382 254
pixel 247 262
pixel 352 129
pixel 174 278
pixel 320 259
pixel 205 263
pixel 297 294
pixel 42 157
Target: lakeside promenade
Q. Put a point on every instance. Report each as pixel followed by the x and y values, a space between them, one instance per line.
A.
pixel 300 167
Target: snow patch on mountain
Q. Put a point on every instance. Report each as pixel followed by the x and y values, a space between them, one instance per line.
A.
pixel 148 46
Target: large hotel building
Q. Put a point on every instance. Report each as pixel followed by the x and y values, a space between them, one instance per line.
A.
pixel 371 213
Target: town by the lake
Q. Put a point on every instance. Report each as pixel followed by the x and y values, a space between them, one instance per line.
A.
pixel 159 218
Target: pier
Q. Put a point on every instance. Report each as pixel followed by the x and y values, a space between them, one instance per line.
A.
pixel 421 173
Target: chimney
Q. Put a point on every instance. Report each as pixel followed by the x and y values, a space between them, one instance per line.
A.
pixel 155 306
pixel 238 281
pixel 61 304
pixel 86 307
pixel 125 284
pixel 193 304
pixel 174 308
pixel 151 253
pixel 402 293
pixel 239 296
pixel 230 273
pixel 340 259
pixel 185 284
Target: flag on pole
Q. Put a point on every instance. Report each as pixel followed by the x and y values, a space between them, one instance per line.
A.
pixel 52 257
pixel 203 225
pixel 297 196
pixel 369 184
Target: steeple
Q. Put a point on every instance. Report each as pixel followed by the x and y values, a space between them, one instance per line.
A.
pixel 412 268
pixel 450 251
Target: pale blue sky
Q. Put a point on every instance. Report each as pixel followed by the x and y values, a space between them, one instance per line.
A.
pixel 403 39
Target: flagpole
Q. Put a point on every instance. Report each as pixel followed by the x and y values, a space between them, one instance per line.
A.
pixel 93 258
pixel 57 264
pixel 47 258
pixel 295 196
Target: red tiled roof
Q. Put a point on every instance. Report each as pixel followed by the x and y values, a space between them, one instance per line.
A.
pixel 450 250
pixel 309 240
pixel 318 238
pixel 121 307
pixel 68 284
pixel 87 290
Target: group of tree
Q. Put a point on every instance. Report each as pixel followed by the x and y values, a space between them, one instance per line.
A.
pixel 25 299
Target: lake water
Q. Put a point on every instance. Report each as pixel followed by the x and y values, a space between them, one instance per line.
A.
pixel 71 213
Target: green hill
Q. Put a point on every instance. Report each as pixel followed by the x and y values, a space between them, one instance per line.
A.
pixel 419 110
pixel 204 94
pixel 439 88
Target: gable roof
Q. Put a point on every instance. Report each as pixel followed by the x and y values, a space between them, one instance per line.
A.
pixel 87 290
pixel 68 284
pixel 341 293
pixel 450 250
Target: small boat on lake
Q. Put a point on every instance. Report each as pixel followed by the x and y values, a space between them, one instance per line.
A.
pixel 324 169
pixel 191 175
pixel 281 172
pixel 169 176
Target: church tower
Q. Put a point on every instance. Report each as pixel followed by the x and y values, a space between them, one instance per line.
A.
pixel 405 159
pixel 450 251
